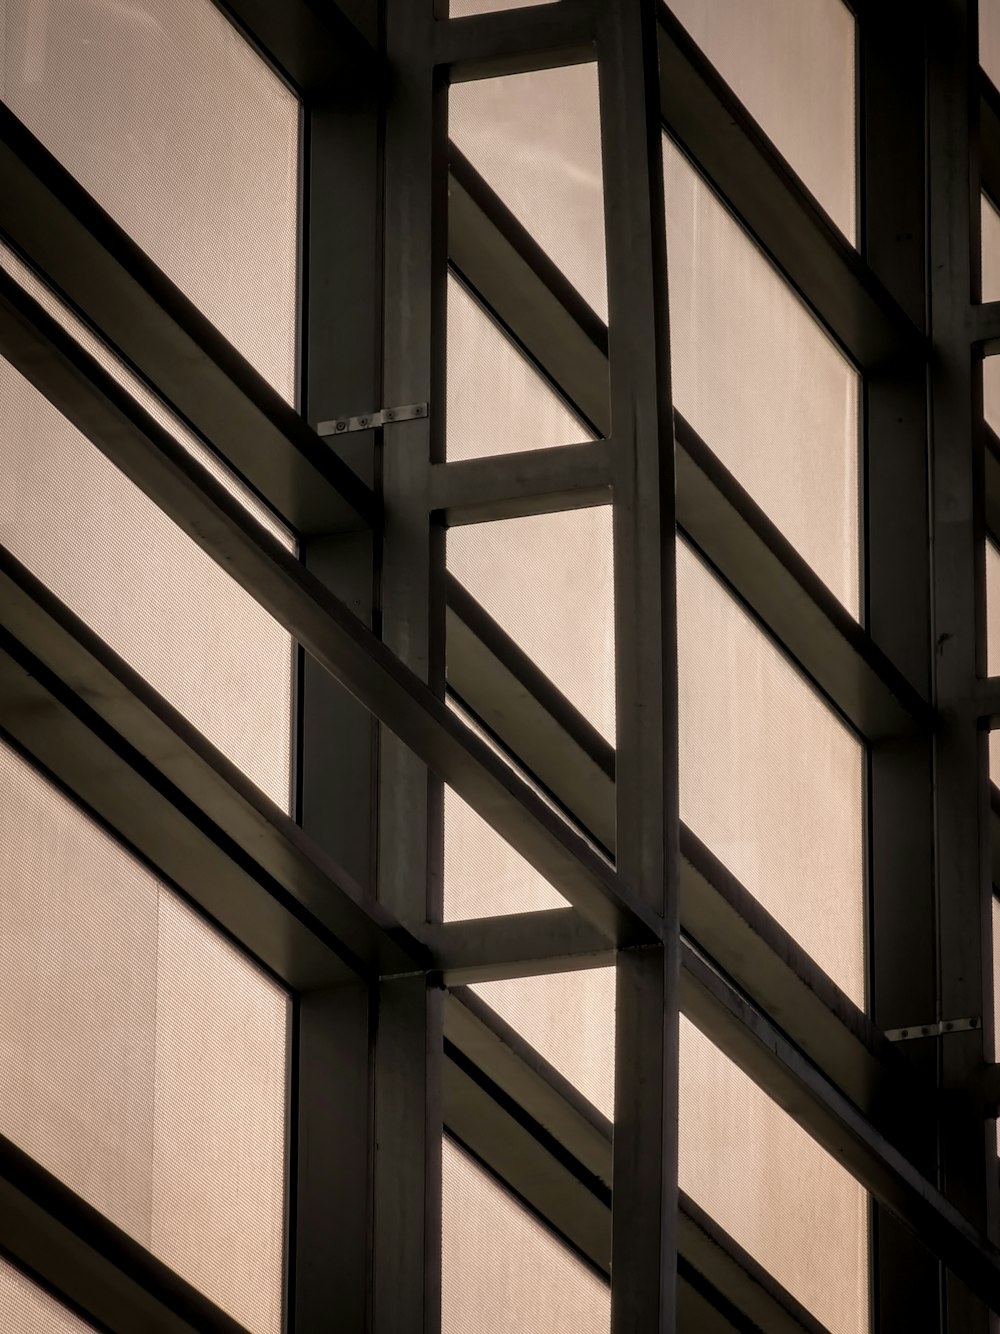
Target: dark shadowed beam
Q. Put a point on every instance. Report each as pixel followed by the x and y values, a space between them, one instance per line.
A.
pixel 316 47
pixel 70 1246
pixel 531 37
pixel 506 486
pixel 79 251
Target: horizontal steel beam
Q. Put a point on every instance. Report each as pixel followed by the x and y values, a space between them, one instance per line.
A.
pixel 64 1242
pixel 549 1145
pixel 525 944
pixel 506 486
pixel 78 250
pixel 82 713
pixel 781 1070
pixel 202 507
pixel 717 132
pixel 530 37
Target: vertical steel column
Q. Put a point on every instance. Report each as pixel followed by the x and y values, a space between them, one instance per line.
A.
pixel 408 1041
pixel 901 972
pixel 643 1265
pixel 335 798
pixel 958 617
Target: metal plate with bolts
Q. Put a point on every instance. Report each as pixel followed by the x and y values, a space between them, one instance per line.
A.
pixel 937 1030
pixel 384 417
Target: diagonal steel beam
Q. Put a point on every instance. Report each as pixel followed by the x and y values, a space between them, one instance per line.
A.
pixel 68 239
pixel 320 622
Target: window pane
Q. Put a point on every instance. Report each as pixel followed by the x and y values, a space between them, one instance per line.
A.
pixel 757 744
pixel 173 123
pixel 497 402
pixel 760 381
pixel 536 140
pixel 502 1271
pixel 771 1187
pixel 145 587
pixel 791 63
pixel 990 223
pixel 142 1057
pixel 25 1308
pixel 989 38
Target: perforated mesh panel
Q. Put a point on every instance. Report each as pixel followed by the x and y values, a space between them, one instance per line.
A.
pixel 146 588
pixel 771 780
pixel 990 222
pixel 772 1188
pixel 25 1308
pixel 536 139
pixel 989 38
pixel 502 1272
pixel 166 115
pixel 760 382
pixel 459 9
pixel 142 1058
pixel 497 402
pixel 791 63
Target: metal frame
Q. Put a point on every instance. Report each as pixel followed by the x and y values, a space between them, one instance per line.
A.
pixel 343 903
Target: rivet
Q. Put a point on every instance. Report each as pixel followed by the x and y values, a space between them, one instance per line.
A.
pixel 341 426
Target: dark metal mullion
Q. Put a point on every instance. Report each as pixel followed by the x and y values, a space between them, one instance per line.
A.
pixel 900 964
pixel 644 1214
pixel 966 1161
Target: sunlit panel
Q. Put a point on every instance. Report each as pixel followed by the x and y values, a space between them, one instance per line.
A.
pixel 25 1308
pixel 792 65
pixel 771 779
pixel 536 140
pixel 498 403
pixel 989 38
pixel 166 115
pixel 458 9
pixel 142 1057
pixel 771 1187
pixel 504 1272
pixel 989 219
pixel 107 551
pixel 760 381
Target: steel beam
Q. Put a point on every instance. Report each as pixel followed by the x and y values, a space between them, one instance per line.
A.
pixel 530 37
pixel 505 486
pixel 78 250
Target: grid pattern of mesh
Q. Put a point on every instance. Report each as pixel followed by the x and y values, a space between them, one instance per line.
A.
pixel 508 1274
pixel 25 1308
pixel 179 130
pixel 548 580
pixel 460 9
pixel 760 381
pixel 497 402
pixel 791 63
pixel 773 1189
pixel 756 743
pixel 990 229
pixel 536 139
pixel 142 1057
pixel 989 38
pixel 145 587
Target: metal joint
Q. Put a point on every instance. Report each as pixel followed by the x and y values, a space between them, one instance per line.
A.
pixel 366 422
pixel 940 1029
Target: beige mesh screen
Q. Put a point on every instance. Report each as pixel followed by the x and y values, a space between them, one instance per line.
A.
pixel 771 780
pixel 25 1308
pixel 536 139
pixel 497 402
pixel 142 1057
pixel 791 63
pixel 989 38
pixel 990 222
pixel 172 122
pixel 760 382
pixel 503 1272
pixel 773 1189
pixel 460 9
pixel 145 587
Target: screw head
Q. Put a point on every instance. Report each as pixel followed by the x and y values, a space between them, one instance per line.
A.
pixel 341 426
pixel 389 416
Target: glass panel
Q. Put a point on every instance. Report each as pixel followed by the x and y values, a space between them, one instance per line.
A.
pixel 548 581
pixel 497 402
pixel 989 38
pixel 536 139
pixel 483 875
pixel 792 65
pixel 174 124
pixel 25 1308
pixel 771 1187
pixel 756 743
pixel 990 222
pixel 760 381
pixel 145 587
pixel 502 1271
pixel 142 1057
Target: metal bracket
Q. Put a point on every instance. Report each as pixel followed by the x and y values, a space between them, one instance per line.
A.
pixel 937 1030
pixel 343 425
